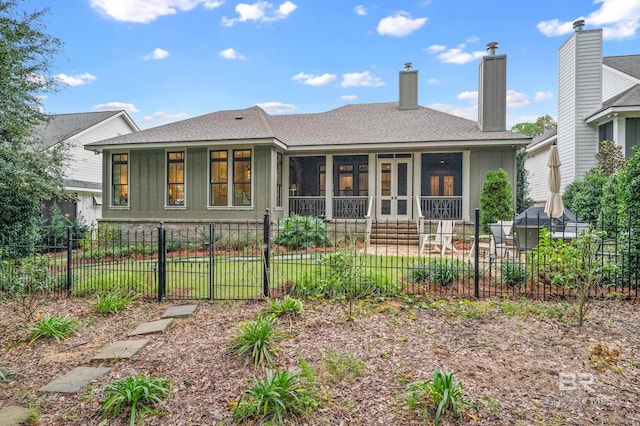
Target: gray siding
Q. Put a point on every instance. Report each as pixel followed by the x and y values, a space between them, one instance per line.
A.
pixel 614 82
pixel 492 96
pixel 484 161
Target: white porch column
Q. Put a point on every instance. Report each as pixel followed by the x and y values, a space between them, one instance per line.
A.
pixel 328 196
pixel 285 184
pixel 466 184
pixel 417 182
pixel 373 179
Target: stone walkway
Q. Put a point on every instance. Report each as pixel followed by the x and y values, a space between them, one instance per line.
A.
pixel 80 377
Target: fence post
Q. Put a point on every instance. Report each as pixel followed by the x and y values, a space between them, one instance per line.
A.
pixel 69 261
pixel 162 262
pixel 211 260
pixel 267 244
pixel 476 254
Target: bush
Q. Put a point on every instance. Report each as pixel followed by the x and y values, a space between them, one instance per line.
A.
pixel 54 327
pixel 142 393
pixel 341 276
pixel 438 270
pixel 513 274
pixel 302 232
pixel 280 395
pixel 442 391
pixel 54 231
pixel 25 281
pixel 255 340
pixel 629 216
pixel 287 306
pixel 496 198
pixel 584 197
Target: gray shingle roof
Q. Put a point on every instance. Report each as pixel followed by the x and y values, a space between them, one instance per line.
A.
pixel 627 98
pixel 347 125
pixel 547 134
pixel 60 127
pixel 628 64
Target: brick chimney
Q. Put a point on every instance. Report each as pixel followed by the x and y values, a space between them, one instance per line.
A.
pixel 492 91
pixel 408 87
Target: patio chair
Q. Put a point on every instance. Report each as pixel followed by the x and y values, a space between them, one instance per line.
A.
pixel 526 237
pixel 502 239
pixel 443 237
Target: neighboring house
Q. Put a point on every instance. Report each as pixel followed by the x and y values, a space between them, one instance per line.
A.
pixel 598 99
pixel 383 160
pixel 84 174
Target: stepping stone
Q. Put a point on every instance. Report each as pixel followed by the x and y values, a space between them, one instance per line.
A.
pixel 14 415
pixel 75 379
pixel 152 327
pixel 179 311
pixel 123 349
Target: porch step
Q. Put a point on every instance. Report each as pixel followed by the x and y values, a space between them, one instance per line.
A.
pixel 394 233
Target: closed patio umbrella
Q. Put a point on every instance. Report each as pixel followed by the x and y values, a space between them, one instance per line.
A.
pixel 554 207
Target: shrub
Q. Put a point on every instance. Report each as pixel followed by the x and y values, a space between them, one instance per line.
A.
pixel 287 306
pixel 342 276
pixel 280 395
pixel 54 231
pixel 442 391
pixel 54 327
pixel 255 339
pixel 513 274
pixel 301 232
pixel 439 270
pixel 142 393
pixel 629 216
pixel 25 281
pixel 584 197
pixel 496 198
pixel 111 303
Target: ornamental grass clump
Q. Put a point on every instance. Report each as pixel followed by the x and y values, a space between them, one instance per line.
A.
pixel 286 307
pixel 142 393
pixel 54 327
pixel 112 303
pixel 280 395
pixel 256 339
pixel 441 391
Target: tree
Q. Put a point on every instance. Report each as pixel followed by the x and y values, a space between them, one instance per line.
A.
pixel 29 174
pixel 610 158
pixel 541 125
pixel 496 199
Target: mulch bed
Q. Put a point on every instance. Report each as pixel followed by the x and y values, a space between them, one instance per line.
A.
pixel 517 369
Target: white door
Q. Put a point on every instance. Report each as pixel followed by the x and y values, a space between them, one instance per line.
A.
pixel 394 190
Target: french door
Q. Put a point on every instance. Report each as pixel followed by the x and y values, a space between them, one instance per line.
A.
pixel 394 189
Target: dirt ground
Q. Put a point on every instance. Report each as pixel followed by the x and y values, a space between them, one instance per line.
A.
pixel 518 363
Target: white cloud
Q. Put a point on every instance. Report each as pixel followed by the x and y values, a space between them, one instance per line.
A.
pixel 458 56
pixel 230 53
pixel 75 80
pixel 470 95
pixel 157 54
pixel 360 79
pixel 145 11
pixel 260 11
pixel 159 118
pixel 435 48
pixel 277 107
pixel 349 98
pixel 517 99
pixel 542 96
pixel 360 10
pixel 400 24
pixel 315 80
pixel 469 112
pixel 472 39
pixel 618 19
pixel 213 4
pixel 112 106
pixel 433 80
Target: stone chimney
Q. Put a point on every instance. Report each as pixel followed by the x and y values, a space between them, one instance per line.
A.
pixel 492 91
pixel 408 87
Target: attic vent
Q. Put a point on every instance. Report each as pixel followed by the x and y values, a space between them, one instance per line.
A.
pixel 239 117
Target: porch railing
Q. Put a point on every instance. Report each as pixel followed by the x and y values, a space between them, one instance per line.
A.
pixel 441 207
pixel 419 219
pixel 369 217
pixel 349 207
pixel 308 206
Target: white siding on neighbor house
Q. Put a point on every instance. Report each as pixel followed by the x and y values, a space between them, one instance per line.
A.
pixel 615 82
pixel 86 165
pixel 579 92
pixel 538 178
pixel 87 209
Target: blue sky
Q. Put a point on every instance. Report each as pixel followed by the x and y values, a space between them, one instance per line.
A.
pixel 167 60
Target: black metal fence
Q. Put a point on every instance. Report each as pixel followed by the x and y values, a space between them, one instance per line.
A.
pixel 250 260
